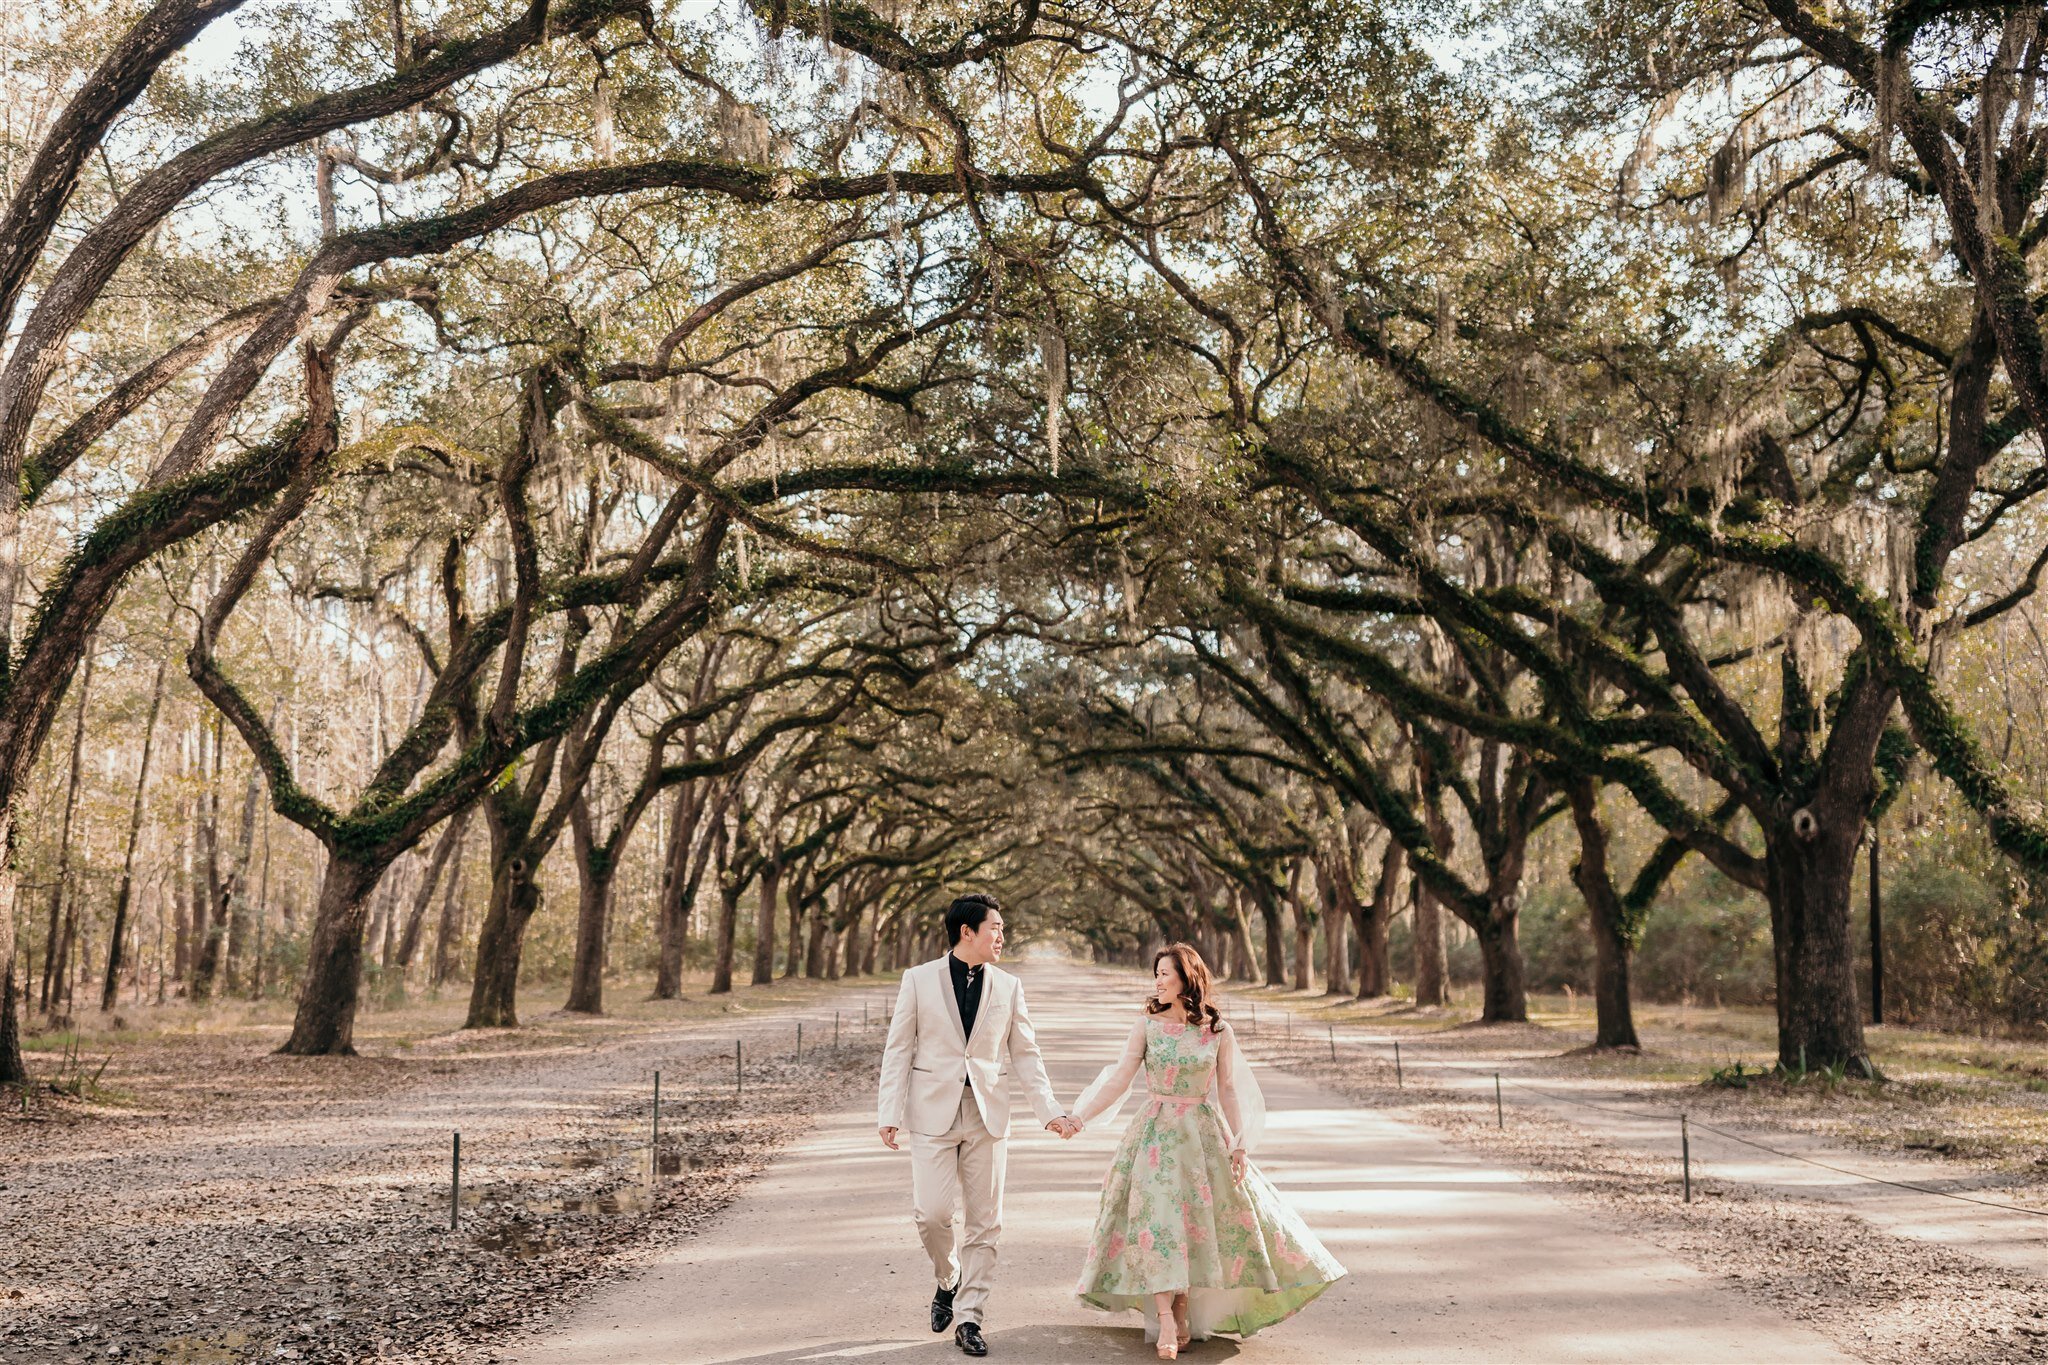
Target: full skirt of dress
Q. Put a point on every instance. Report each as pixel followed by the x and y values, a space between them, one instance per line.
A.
pixel 1172 1218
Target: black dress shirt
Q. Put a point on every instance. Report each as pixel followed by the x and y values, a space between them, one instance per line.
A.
pixel 967 990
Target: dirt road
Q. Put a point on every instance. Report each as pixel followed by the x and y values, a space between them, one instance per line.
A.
pixel 1450 1258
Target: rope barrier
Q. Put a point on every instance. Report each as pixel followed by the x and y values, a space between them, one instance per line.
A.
pixel 1718 1131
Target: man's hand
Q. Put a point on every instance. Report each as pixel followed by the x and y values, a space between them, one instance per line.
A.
pixel 1064 1126
pixel 889 1139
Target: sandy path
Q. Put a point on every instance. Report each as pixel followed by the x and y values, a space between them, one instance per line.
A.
pixel 1450 1258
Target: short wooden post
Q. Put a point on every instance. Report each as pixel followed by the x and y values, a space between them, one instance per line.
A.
pixel 1685 1153
pixel 455 1185
pixel 739 1071
pixel 1398 1082
pixel 654 1151
pixel 1499 1117
pixel 1333 1042
pixel 799 1040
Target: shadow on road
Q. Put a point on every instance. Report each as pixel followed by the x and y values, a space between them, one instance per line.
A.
pixel 1037 1343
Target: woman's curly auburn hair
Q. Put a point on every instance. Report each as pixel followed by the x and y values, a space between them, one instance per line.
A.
pixel 1194 985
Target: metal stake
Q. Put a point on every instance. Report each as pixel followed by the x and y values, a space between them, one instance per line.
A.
pixel 739 1074
pixel 654 1152
pixel 1398 1082
pixel 1333 1042
pixel 1685 1153
pixel 835 1030
pixel 1255 1017
pixel 799 1040
pixel 455 1185
pixel 1499 1118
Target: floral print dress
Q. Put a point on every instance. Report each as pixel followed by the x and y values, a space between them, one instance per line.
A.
pixel 1173 1219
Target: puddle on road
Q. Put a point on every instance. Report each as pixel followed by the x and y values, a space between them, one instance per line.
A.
pixel 627 1199
pixel 516 1240
pixel 577 1161
pixel 224 1349
pixel 526 1240
pixel 672 1163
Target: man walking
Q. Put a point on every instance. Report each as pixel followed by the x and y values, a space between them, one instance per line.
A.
pixel 959 1030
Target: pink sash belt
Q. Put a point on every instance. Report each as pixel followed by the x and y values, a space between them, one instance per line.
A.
pixel 1175 1106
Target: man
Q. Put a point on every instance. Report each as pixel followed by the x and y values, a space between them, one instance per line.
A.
pixel 959 1030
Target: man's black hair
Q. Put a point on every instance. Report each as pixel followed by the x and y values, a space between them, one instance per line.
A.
pixel 968 912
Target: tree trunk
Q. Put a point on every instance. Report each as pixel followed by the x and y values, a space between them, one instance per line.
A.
pixel 13 1070
pixel 1375 960
pixel 326 1019
pixel 1432 981
pixel 814 948
pixel 764 922
pixel 1614 1011
pixel 728 920
pixel 596 872
pixel 181 865
pixel 57 973
pixel 682 873
pixel 1506 992
pixel 445 849
pixel 793 956
pixel 494 989
pixel 256 982
pixel 1304 951
pixel 1246 968
pixel 55 946
pixel 236 907
pixel 207 937
pixel 126 890
pixel 904 930
pixel 1276 952
pixel 1430 986
pixel 1336 953
pixel 386 932
pixel 1820 1018
pixel 1338 956
pixel 594 882
pixel 449 931
pixel 670 917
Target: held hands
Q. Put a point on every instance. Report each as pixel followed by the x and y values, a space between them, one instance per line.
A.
pixel 1065 1126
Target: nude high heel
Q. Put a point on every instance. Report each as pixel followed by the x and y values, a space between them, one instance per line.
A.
pixel 1181 1330
pixel 1169 1348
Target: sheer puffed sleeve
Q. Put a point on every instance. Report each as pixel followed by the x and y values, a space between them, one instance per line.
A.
pixel 1107 1092
pixel 1238 1097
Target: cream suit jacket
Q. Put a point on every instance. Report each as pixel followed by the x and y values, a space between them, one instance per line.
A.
pixel 929 1056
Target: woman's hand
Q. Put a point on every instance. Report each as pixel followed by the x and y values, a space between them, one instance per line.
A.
pixel 1237 1165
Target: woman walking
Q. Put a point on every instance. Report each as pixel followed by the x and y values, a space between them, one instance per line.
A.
pixel 1189 1232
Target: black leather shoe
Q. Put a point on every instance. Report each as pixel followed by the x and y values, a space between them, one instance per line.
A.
pixel 967 1336
pixel 942 1310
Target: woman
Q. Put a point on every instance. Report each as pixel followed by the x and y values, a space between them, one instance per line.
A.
pixel 1189 1232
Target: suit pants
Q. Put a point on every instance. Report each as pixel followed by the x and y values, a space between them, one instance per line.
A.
pixel 960 1170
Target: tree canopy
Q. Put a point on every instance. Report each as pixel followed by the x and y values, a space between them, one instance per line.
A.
pixel 1224 472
